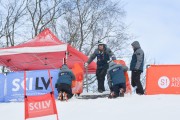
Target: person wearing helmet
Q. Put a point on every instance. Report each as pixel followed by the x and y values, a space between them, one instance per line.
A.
pixel 103 54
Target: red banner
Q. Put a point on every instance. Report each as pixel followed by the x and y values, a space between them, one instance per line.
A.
pixel 37 106
pixel 41 105
pixel 163 79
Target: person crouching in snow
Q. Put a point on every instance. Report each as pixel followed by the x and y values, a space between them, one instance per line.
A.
pixel 64 82
pixel 116 79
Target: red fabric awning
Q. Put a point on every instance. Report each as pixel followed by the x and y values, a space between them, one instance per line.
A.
pixel 45 51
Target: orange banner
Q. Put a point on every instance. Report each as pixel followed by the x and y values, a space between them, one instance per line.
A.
pixel 77 85
pixel 163 79
pixel 128 85
pixel 38 106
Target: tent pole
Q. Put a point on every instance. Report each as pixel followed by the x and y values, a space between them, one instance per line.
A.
pixel 66 57
pixel 25 97
pixel 86 79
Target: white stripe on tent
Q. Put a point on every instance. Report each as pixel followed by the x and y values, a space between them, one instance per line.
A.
pixel 43 49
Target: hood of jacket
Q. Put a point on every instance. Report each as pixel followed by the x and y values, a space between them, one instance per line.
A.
pixel 136 45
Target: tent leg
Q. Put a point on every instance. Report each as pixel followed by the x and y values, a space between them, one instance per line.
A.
pixel 86 79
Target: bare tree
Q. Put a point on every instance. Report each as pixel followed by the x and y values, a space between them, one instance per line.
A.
pixel 13 12
pixel 1 29
pixel 90 21
pixel 81 23
pixel 43 13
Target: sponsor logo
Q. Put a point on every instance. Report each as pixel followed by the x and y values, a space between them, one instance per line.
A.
pixel 36 106
pixel 163 82
pixel 40 84
pixel 175 82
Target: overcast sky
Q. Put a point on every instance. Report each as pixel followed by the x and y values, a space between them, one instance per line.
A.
pixel 156 23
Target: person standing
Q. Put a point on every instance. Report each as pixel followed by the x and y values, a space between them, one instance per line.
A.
pixel 64 82
pixel 103 54
pixel 136 66
pixel 116 79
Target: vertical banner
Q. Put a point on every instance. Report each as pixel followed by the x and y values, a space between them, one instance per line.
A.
pixel 128 85
pixel 38 106
pixel 2 84
pixel 163 79
pixel 77 85
pixel 37 83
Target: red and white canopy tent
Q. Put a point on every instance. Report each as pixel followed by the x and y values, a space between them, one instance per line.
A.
pixel 45 51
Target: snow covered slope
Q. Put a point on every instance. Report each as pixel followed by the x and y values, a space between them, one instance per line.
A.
pixel 131 107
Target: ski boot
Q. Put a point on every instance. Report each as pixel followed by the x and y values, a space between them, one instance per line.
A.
pixel 60 96
pixel 100 91
pixel 111 95
pixel 65 96
pixel 121 93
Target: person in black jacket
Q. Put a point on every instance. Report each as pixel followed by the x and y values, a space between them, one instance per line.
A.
pixel 103 54
pixel 136 66
pixel 64 82
pixel 116 79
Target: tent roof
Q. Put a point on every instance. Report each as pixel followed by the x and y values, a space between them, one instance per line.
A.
pixel 45 51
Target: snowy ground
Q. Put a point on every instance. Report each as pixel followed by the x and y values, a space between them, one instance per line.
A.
pixel 131 107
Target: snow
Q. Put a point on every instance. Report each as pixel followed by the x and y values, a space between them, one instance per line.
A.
pixel 131 107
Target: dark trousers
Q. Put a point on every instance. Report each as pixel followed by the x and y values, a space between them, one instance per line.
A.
pixel 62 87
pixel 135 81
pixel 100 75
pixel 116 88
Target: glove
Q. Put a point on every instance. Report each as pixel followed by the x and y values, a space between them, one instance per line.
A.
pixel 85 64
pixel 135 70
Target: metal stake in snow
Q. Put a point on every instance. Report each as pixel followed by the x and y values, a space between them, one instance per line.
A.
pixel 86 78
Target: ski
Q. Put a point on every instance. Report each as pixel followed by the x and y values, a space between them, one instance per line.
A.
pixel 92 96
